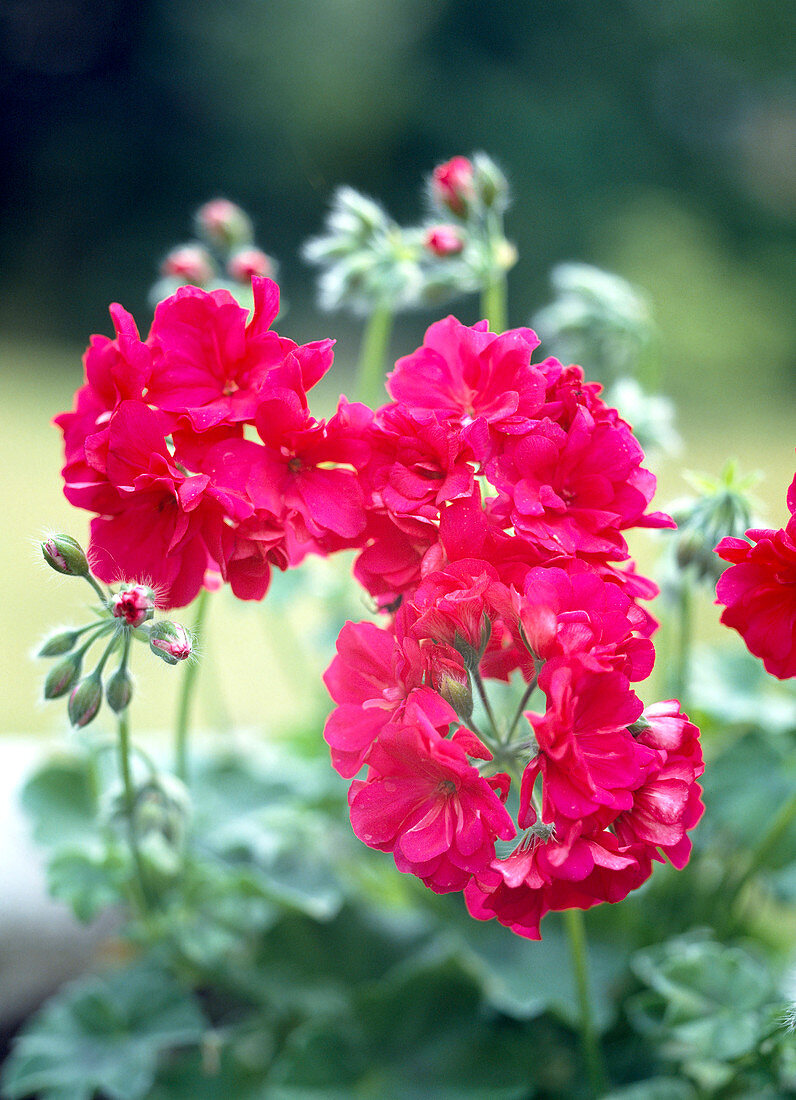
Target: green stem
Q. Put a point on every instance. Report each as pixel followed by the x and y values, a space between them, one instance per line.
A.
pixel 529 690
pixel 493 301
pixel 102 595
pixel 573 918
pixel 186 695
pixel 370 371
pixel 143 897
pixel 759 854
pixel 479 683
pixel 683 659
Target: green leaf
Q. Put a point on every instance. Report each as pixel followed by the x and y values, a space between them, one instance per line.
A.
pixel 656 1088
pixel 707 1003
pixel 102 1034
pixel 421 1033
pixel 62 801
pixel 89 878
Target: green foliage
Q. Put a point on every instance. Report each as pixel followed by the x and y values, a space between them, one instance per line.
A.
pixel 103 1034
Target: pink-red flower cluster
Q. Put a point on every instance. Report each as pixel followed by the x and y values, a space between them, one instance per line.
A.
pixel 498 494
pixel 488 502
pixel 197 451
pixel 759 592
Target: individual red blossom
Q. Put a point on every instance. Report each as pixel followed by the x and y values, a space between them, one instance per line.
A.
pixel 586 755
pixel 211 362
pixel 424 802
pixel 417 464
pixel 371 679
pixel 575 611
pixel 390 565
pixel 577 871
pixel 667 804
pixel 463 374
pixel 759 594
pixel 575 491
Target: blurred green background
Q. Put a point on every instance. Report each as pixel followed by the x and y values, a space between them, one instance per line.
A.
pixel 654 140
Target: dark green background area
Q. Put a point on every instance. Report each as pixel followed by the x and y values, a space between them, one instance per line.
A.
pixel 655 139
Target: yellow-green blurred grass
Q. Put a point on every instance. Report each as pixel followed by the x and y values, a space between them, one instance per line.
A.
pixel 256 673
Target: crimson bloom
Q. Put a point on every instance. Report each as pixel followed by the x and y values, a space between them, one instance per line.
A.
pixel 759 594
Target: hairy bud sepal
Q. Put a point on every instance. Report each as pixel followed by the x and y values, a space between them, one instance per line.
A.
pixel 65 555
pixel 119 690
pixel 85 701
pixel 170 641
pixel 63 676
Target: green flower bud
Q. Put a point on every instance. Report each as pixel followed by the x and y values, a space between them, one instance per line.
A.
pixel 85 700
pixel 57 644
pixel 63 676
pixel 170 641
pixel 65 555
pixel 119 690
pixel 491 186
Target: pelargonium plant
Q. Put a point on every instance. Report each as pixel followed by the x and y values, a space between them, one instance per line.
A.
pixel 488 721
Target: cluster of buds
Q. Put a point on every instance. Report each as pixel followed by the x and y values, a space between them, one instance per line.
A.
pixel 722 509
pixel 124 614
pixel 225 255
pixel 369 262
pixel 605 323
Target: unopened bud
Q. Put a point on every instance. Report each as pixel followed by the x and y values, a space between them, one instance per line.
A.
pixel 242 266
pixel 452 184
pixel 489 183
pixel 85 700
pixel 458 693
pixel 57 644
pixel 170 641
pixel 135 604
pixel 444 240
pixel 63 676
pixel 223 223
pixel 65 556
pixel 190 263
pixel 119 690
pixel 641 725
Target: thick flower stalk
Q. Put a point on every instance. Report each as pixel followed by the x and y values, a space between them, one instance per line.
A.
pixel 498 493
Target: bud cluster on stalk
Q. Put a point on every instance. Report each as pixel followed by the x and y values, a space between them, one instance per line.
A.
pixel 603 322
pixel 368 261
pixel 224 257
pixel 722 508
pixel 123 614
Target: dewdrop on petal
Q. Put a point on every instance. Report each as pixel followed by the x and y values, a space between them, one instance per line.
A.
pixel 170 641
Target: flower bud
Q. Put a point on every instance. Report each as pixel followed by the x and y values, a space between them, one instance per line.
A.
pixel 85 700
pixel 489 183
pixel 457 692
pixel 119 690
pixel 444 240
pixel 170 641
pixel 64 555
pixel 63 676
pixel 191 263
pixel 242 266
pixel 135 604
pixel 224 224
pixel 57 644
pixel 452 184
